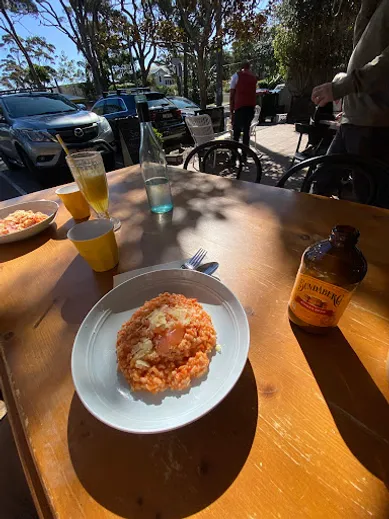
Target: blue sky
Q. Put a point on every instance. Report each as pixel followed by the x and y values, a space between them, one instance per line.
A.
pixel 29 26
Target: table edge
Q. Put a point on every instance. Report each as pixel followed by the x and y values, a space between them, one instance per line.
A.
pixel 34 482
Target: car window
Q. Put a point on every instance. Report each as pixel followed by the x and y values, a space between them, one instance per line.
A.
pixel 154 100
pixel 114 105
pixel 98 108
pixel 130 102
pixel 182 102
pixel 38 104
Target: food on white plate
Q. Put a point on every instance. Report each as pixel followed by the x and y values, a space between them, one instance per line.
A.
pixel 166 344
pixel 20 220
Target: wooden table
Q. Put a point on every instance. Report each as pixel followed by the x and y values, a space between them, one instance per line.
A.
pixel 304 433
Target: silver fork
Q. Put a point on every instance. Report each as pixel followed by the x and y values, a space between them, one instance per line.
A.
pixel 195 261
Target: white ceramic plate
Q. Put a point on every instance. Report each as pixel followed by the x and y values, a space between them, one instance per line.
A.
pixel 105 392
pixel 44 206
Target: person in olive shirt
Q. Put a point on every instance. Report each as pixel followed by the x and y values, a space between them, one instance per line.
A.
pixel 364 128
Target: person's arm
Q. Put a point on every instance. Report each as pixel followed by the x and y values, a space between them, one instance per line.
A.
pixel 367 10
pixel 234 82
pixel 368 79
pixel 372 77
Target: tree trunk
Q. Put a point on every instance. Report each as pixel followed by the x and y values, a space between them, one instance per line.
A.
pixel 23 50
pixel 179 84
pixel 143 71
pixel 201 75
pixel 104 82
pixel 57 85
pixel 132 63
pixel 87 46
pixel 219 57
pixel 219 77
pixel 96 76
pixel 111 71
pixel 185 71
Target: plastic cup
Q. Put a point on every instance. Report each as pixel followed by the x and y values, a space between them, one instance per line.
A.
pixel 96 243
pixel 74 201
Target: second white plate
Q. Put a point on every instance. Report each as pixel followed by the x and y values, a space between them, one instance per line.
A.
pixel 43 206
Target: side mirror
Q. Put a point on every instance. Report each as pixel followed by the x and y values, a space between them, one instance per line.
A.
pixel 2 119
pixel 81 106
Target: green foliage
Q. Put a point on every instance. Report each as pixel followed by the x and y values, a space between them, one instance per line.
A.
pixel 310 44
pixel 203 27
pixel 259 51
pixel 226 86
pixel 275 80
pixel 158 136
pixel 166 90
pixel 68 71
pixel 44 72
pixel 19 7
pixel 15 70
pixel 11 11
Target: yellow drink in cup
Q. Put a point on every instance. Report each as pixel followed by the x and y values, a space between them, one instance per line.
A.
pixel 96 243
pixel 95 190
pixel 88 170
pixel 74 201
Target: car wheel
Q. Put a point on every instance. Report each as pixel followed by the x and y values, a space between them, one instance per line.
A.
pixel 10 165
pixel 36 172
pixel 27 161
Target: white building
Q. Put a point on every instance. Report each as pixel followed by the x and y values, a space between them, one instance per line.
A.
pixel 162 75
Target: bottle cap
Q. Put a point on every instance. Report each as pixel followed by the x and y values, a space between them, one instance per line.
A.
pixel 142 109
pixel 344 234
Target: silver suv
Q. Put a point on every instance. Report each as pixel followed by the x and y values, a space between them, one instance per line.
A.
pixel 30 120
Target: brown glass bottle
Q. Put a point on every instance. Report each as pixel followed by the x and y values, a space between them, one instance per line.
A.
pixel 329 272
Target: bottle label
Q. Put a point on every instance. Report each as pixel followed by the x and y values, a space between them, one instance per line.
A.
pixel 318 303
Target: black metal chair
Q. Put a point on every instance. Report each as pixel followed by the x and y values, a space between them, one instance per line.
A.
pixel 233 157
pixel 320 134
pixel 343 166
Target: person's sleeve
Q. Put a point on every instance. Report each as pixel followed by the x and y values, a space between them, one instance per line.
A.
pixel 367 10
pixel 234 81
pixel 372 77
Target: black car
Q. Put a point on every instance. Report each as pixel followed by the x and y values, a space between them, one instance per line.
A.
pixel 187 107
pixel 190 108
pixel 165 115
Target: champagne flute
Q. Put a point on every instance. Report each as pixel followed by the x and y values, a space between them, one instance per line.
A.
pixel 88 170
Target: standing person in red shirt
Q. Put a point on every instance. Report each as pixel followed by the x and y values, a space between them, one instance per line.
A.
pixel 242 102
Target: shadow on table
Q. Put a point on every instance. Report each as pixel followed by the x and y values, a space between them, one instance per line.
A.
pixel 62 231
pixel 79 288
pixel 360 410
pixel 171 475
pixel 147 239
pixel 11 251
pixel 21 248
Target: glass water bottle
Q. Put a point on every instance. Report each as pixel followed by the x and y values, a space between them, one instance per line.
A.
pixel 153 163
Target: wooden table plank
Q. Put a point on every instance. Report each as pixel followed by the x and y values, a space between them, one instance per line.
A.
pixel 305 431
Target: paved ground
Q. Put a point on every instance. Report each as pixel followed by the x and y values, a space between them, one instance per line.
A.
pixel 20 182
pixel 275 145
